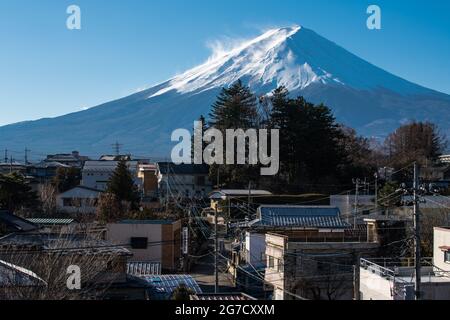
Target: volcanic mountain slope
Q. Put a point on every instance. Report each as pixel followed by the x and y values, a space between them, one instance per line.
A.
pixel 361 95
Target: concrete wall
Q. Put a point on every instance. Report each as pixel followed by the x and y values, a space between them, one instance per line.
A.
pixel 374 287
pixel 255 246
pixel 163 241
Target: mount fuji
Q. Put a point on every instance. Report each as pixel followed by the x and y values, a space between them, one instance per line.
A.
pixel 361 95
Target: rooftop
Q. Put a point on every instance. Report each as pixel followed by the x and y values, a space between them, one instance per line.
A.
pixel 165 285
pixel 299 217
pixel 15 222
pixel 182 169
pixel 105 165
pixel 60 243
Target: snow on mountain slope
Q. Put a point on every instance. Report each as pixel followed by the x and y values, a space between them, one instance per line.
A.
pixel 361 95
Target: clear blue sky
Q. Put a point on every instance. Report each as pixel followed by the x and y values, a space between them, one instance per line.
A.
pixel 47 70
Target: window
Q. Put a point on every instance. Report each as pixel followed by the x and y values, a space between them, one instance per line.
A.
pixel 447 256
pixel 279 265
pixel 139 243
pixel 271 262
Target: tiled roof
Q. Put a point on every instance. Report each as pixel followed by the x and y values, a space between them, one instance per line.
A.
pixel 299 217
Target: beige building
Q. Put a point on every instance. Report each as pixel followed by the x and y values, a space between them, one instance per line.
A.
pixel 311 267
pixel 149 240
pixel 441 257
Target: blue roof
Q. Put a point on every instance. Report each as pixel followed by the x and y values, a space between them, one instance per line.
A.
pixel 299 217
pixel 165 285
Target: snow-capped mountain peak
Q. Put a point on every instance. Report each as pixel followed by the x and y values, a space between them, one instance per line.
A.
pixel 264 60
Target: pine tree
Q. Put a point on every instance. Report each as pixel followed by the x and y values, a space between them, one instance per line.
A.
pixel 235 108
pixel 122 186
pixel 15 193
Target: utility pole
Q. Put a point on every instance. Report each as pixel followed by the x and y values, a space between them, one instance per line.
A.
pixel 26 155
pixel 418 257
pixel 116 148
pixel 376 192
pixel 167 187
pixel 216 253
pixel 356 277
pixel 356 182
pixel 249 199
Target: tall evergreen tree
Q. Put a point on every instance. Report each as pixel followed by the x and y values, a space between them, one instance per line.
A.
pixel 122 185
pixel 235 108
pixel 15 193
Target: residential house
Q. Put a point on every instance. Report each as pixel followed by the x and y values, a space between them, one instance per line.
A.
pixel 96 174
pixel 103 265
pixel 13 166
pixel 284 237
pixel 184 181
pixel 69 159
pixel 79 200
pixel 393 278
pixel 149 240
pixel 441 256
pixel 10 223
pixel 44 171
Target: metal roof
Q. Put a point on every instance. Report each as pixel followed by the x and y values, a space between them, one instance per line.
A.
pixel 165 285
pixel 50 221
pixel 299 217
